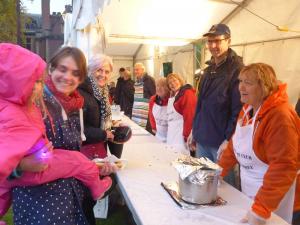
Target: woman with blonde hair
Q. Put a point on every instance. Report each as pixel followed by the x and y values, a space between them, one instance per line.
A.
pixel 266 145
pixel 181 109
pixel 158 109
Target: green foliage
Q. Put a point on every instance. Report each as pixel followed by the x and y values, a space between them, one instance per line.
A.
pixel 8 21
pixel 8 218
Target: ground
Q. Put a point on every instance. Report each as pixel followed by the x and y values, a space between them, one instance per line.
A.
pixel 120 215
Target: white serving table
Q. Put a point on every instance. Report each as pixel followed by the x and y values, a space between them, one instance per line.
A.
pixel 149 164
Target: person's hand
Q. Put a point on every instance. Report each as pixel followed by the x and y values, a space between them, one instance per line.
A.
pixel 153 131
pixel 222 147
pixel 253 219
pixel 107 168
pixel 109 135
pixel 220 181
pixel 191 144
pixel 37 161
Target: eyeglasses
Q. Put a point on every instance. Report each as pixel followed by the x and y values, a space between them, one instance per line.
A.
pixel 100 70
pixel 215 41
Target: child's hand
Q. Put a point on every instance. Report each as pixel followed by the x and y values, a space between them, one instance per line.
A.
pixel 32 164
pixel 109 135
pixel 108 168
pixel 37 161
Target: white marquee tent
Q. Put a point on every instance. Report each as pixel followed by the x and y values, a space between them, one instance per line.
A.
pixel 158 31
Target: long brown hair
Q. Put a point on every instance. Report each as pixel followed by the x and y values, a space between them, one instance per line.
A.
pixel 76 54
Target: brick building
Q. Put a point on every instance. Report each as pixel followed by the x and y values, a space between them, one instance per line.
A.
pixel 44 33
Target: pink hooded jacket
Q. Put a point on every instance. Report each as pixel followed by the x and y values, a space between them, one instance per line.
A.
pixel 19 69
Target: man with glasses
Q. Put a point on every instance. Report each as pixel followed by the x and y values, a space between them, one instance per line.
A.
pixel 219 99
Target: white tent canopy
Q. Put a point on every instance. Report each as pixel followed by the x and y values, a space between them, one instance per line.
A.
pixel 148 30
pixel 167 22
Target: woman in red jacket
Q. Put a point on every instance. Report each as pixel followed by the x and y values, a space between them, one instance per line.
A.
pixel 266 145
pixel 181 109
pixel 158 110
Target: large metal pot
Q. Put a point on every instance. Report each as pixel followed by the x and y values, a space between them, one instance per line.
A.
pixel 203 192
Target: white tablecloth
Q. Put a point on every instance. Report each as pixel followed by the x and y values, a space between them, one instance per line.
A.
pixel 149 164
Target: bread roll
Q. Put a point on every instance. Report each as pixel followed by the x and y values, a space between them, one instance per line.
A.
pixel 119 164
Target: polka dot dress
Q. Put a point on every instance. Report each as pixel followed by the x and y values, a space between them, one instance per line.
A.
pixel 57 203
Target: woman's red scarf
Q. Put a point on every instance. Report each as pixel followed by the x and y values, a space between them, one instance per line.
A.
pixel 71 102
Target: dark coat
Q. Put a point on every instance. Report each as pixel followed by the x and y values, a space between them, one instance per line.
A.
pixel 149 89
pixel 91 115
pixel 92 122
pixel 149 86
pixel 125 97
pixel 218 102
pixel 119 87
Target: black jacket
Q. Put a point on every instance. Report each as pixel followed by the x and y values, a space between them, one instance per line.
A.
pixel 91 114
pixel 125 95
pixel 149 86
pixel 119 87
pixel 218 102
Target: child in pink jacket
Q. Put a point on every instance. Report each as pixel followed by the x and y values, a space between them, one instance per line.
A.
pixel 22 132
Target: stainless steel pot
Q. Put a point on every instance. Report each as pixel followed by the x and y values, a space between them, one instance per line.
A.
pixel 203 192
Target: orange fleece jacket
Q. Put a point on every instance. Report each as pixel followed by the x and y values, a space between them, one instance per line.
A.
pixel 276 143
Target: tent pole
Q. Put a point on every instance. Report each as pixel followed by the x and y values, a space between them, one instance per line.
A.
pixel 235 11
pixel 136 53
pixel 264 41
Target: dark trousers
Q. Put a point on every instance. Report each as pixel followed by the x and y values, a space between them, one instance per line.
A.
pixel 115 149
pixel 87 206
pixel 296 218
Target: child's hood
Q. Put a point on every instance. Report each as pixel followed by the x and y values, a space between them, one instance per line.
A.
pixel 19 69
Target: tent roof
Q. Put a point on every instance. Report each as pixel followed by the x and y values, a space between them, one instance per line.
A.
pixel 163 22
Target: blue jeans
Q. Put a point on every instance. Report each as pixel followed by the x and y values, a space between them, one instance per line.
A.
pixel 211 153
pixel 296 218
pixel 206 151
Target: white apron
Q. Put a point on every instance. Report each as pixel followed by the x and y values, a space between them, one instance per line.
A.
pixel 253 169
pixel 175 128
pixel 161 120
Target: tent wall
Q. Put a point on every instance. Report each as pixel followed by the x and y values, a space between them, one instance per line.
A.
pixel 277 48
pixel 153 58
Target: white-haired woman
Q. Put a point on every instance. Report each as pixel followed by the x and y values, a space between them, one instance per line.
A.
pixel 97 110
pixel 158 109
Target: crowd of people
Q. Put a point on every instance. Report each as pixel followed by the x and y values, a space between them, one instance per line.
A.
pixel 55 119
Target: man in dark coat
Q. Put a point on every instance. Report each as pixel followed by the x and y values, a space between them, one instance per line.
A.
pixel 218 103
pixel 119 85
pixel 144 88
pixel 125 93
